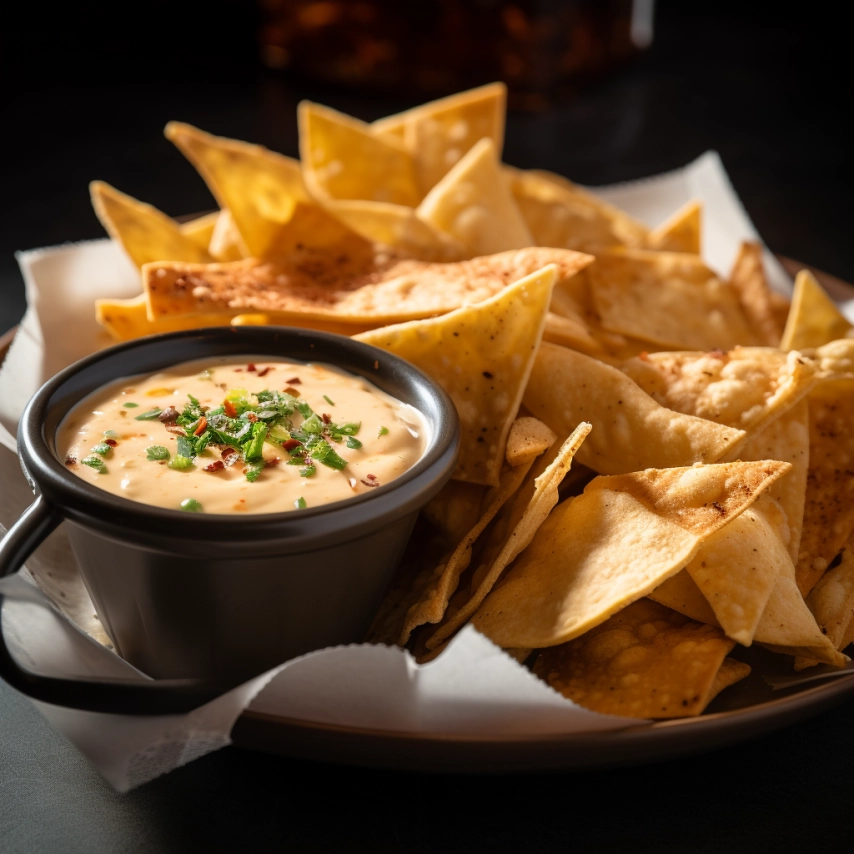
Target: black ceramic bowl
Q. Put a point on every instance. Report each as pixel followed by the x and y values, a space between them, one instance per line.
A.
pixel 204 601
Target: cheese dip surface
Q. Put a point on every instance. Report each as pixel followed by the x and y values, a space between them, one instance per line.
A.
pixel 257 435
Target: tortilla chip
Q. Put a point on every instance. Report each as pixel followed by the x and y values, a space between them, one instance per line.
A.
pixel 814 318
pixel 342 159
pixel 200 229
pixel 756 297
pixel 667 298
pixel 455 509
pixel 363 285
pixel 482 356
pixel 680 592
pixel 614 544
pixel 258 187
pixel 513 528
pixel 835 360
pixel 528 438
pixel 645 662
pixel 681 233
pixel 225 239
pixel 144 232
pixel 631 432
pixel 474 206
pixel 744 388
pixel 829 502
pixel 558 213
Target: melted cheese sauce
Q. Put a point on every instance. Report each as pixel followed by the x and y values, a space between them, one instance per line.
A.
pixel 279 487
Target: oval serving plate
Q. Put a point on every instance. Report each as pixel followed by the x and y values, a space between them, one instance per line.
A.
pixel 747 710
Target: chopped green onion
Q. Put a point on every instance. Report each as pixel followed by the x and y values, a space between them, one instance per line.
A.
pixel 96 463
pixel 254 469
pixel 330 402
pixel 349 429
pixel 308 471
pixel 130 405
pixel 102 449
pixel 186 447
pixel 181 463
pixel 150 415
pixel 157 452
pixel 296 461
pixel 305 410
pixel 383 431
pixel 300 503
pixel 253 448
pixel 203 441
pixel 353 442
pixel 325 453
pixel 191 505
pixel 193 400
pixel 110 434
pixel 312 425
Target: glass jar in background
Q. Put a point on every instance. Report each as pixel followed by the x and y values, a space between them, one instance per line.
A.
pixel 542 49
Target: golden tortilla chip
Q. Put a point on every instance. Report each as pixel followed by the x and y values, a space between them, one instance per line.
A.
pixel 363 285
pixel 829 503
pixel 201 228
pixel 342 159
pixel 835 360
pixel 681 233
pixel 473 204
pixel 258 187
pixel 558 213
pixel 225 243
pixel 814 318
pixel 455 509
pixel 631 431
pixel 668 298
pixel 528 438
pixel 759 303
pixel 482 356
pixel 644 662
pixel 513 528
pixel 614 544
pixel 144 232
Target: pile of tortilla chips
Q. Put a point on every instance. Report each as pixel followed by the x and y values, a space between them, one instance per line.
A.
pixel 657 462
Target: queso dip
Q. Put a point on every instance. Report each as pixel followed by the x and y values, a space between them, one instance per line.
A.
pixel 257 435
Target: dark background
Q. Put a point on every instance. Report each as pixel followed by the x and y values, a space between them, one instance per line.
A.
pixel 87 90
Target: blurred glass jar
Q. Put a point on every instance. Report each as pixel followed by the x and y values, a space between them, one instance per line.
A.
pixel 541 48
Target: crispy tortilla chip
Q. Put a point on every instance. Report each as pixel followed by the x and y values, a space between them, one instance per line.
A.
pixel 200 229
pixel 681 233
pixel 225 239
pixel 144 232
pixel 342 159
pixel 835 360
pixel 473 204
pixel 614 544
pixel 513 528
pixel 455 509
pixel 814 318
pixel 558 213
pixel 680 592
pixel 528 438
pixel 482 355
pixel 631 431
pixel 364 286
pixel 829 503
pixel 757 299
pixel 744 388
pixel 668 298
pixel 644 662
pixel 258 187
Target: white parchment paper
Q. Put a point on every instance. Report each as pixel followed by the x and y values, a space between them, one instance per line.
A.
pixel 472 688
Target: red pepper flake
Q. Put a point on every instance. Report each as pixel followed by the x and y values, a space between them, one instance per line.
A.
pixel 229 456
pixel 203 422
pixel 326 418
pixel 292 391
pixel 172 427
pixel 294 381
pixel 273 462
pixel 111 442
pixel 238 370
pixel 291 444
pixel 251 367
pixel 216 465
pixel 264 371
pixel 71 461
pixel 230 409
pixel 252 417
pixel 372 482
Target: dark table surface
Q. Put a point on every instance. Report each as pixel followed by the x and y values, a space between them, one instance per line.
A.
pixel 769 93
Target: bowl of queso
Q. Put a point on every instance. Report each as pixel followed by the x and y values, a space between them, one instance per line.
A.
pixel 233 497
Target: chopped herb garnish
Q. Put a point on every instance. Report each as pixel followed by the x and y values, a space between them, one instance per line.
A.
pixel 191 505
pixel 110 434
pixel 312 425
pixel 130 405
pixel 383 431
pixel 102 449
pixel 181 463
pixel 254 469
pixel 186 447
pixel 157 452
pixel 330 402
pixel 308 471
pixel 150 415
pixel 300 503
pixel 253 448
pixel 325 453
pixel 353 442
pixel 95 462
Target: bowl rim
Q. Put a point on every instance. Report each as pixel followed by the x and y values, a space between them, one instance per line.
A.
pixel 77 500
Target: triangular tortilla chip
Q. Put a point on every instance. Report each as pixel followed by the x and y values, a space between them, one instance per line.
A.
pixel 482 355
pixel 347 280
pixel 814 318
pixel 835 360
pixel 144 232
pixel 528 438
pixel 829 503
pixel 758 301
pixel 614 544
pixel 667 298
pixel 681 233
pixel 455 509
pixel 201 228
pixel 559 213
pixel 225 243
pixel 644 662
pixel 473 204
pixel 631 431
pixel 258 187
pixel 342 159
pixel 513 529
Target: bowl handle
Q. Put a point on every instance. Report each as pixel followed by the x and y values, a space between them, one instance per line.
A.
pixel 115 696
